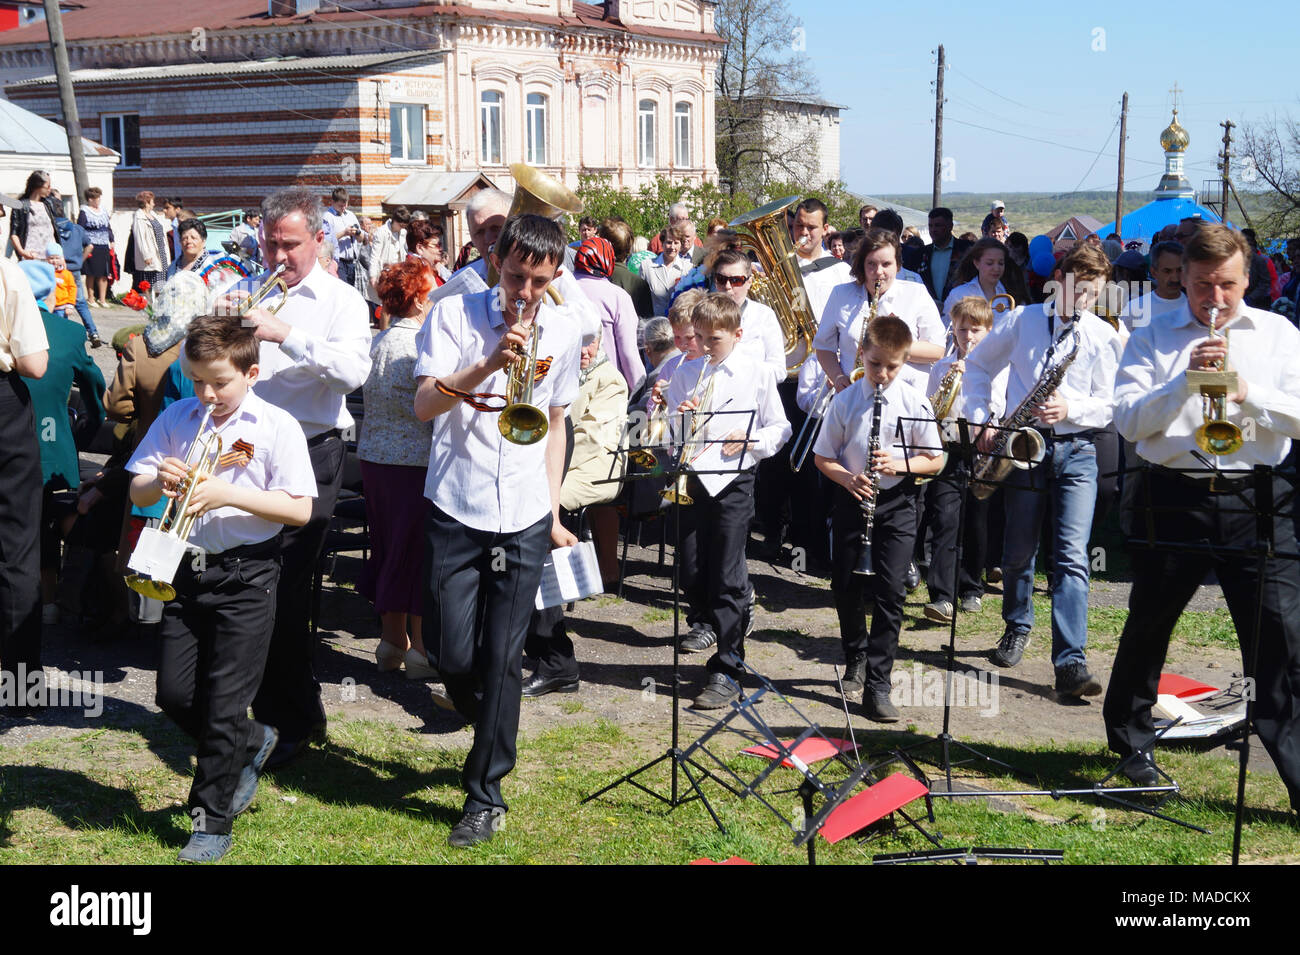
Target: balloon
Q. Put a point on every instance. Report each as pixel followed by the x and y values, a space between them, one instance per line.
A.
pixel 1043 263
pixel 1039 243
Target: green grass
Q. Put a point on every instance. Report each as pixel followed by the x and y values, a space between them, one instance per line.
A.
pixel 656 615
pixel 383 794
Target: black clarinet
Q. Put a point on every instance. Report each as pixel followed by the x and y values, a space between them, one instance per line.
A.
pixel 869 505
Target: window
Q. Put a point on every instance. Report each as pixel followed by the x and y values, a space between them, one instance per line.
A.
pixel 122 135
pixel 535 129
pixel 406 132
pixel 682 135
pixel 646 116
pixel 489 112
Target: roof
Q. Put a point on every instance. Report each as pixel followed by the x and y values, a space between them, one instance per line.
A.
pixel 427 187
pixel 24 132
pixel 105 19
pixel 1145 221
pixel 284 64
pixel 808 101
pixel 1077 226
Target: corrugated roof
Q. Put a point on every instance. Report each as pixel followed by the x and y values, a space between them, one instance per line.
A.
pixel 24 132
pixel 428 187
pixel 283 64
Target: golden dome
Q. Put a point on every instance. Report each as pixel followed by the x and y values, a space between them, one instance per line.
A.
pixel 1174 138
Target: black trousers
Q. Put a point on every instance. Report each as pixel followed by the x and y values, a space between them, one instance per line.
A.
pixel 892 538
pixel 215 635
pixel 289 698
pixel 20 524
pixel 549 644
pixel 714 575
pixel 480 592
pixel 942 515
pixel 775 482
pixel 1163 583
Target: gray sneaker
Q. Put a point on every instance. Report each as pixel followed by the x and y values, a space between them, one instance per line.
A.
pixel 1011 647
pixel 940 611
pixel 971 604
pixel 1073 679
pixel 700 638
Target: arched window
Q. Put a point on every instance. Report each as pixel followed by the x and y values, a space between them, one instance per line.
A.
pixel 682 135
pixel 647 117
pixel 535 129
pixel 489 112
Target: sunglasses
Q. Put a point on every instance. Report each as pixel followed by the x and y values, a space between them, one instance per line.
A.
pixel 730 281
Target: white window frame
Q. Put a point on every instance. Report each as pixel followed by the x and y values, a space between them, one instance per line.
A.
pixel 682 157
pixel 399 146
pixel 535 128
pixel 495 111
pixel 119 120
pixel 647 121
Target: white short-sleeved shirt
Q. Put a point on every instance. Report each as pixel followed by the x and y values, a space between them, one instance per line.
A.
pixel 333 223
pixel 279 462
pixel 324 358
pixel 22 332
pixel 761 336
pixel 734 387
pixel 845 435
pixel 1140 311
pixel 966 289
pixel 846 307
pixel 1020 344
pixel 475 475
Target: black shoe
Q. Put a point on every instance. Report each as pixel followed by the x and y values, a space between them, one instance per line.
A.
pixel 720 691
pixel 1141 770
pixel 971 604
pixel 286 751
pixel 96 341
pixel 855 676
pixel 700 638
pixel 993 575
pixel 475 827
pixel 1073 679
pixel 538 685
pixel 877 708
pixel 1011 647
pixel 913 578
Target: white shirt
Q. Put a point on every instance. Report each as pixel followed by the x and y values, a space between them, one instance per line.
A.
pixel 818 284
pixel 324 358
pixel 732 390
pixel 761 336
pixel 386 249
pixel 1140 311
pixel 1157 409
pixel 970 288
pixel 846 429
pixel 663 278
pixel 475 475
pixel 809 387
pixel 280 462
pixel 334 223
pixel 22 332
pixel 582 311
pixel 1020 344
pixel 847 306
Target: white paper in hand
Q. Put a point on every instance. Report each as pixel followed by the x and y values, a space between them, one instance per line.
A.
pixel 570 573
pixel 465 282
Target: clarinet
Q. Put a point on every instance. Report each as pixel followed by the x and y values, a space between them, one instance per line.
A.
pixel 869 505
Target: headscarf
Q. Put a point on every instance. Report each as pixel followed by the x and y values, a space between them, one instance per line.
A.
pixel 595 256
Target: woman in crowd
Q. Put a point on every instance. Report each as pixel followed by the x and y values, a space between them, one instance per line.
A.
pixel 388 245
pixel 32 227
pixel 98 269
pixel 592 267
pixel 194 255
pixel 424 243
pixel 149 237
pixel 394 455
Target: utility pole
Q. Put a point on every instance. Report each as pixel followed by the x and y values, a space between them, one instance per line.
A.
pixel 1227 125
pixel 67 101
pixel 1119 188
pixel 938 134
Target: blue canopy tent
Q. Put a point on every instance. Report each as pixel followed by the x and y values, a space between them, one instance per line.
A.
pixel 1144 222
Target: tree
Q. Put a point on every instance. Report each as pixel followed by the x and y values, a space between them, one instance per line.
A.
pixel 762 66
pixel 1271 154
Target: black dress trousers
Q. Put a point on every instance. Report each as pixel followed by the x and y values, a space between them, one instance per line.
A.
pixel 20 519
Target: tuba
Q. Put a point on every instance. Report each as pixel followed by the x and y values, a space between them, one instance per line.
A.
pixel 536 193
pixel 780 288
pixel 158 553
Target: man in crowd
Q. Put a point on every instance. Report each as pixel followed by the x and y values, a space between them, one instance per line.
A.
pixel 342 227
pixel 939 259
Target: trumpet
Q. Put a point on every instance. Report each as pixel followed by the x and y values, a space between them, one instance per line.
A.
pixel 521 421
pixel 678 494
pixel 1217 435
pixel 273 283
pixel 158 553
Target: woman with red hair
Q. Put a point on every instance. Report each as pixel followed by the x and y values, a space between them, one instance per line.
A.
pixel 394 456
pixel 424 242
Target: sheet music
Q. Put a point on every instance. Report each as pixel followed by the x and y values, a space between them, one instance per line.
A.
pixel 464 282
pixel 570 573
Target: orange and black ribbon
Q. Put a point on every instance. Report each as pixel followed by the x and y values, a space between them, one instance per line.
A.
pixel 241 452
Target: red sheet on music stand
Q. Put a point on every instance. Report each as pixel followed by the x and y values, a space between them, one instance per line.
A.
pixel 812 750
pixel 1185 688
pixel 866 807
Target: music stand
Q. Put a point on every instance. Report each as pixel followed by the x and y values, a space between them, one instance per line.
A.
pixel 679 759
pixel 1264 509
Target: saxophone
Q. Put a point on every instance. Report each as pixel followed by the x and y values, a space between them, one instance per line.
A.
pixel 1020 446
pixel 858 369
pixel 863 566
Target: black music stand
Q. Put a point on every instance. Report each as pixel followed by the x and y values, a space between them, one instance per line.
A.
pixel 1264 509
pixel 680 759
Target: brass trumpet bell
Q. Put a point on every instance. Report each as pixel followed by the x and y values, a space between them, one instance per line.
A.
pixel 522 423
pixel 677 494
pixel 536 193
pixel 1219 437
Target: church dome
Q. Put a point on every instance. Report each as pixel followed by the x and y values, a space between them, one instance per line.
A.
pixel 1174 138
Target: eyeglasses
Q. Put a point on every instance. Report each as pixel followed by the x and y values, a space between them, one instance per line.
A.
pixel 730 281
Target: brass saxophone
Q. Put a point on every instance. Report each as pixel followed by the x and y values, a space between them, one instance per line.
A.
pixel 1021 446
pixel 858 369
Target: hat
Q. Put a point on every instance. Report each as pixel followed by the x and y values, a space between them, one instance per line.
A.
pixel 595 256
pixel 40 276
pixel 1130 259
pixel 52 249
pixel 997 204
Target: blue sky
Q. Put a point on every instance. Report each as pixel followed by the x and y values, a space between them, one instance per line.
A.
pixel 1042 71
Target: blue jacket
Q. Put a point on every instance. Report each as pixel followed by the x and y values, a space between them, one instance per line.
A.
pixel 74 240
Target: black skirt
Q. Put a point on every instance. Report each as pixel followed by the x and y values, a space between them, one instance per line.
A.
pixel 100 263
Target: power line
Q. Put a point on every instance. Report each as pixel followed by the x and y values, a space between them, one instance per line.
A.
pixel 1035 139
pixel 1007 98
pixel 1097 157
